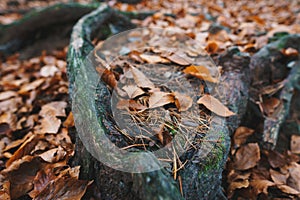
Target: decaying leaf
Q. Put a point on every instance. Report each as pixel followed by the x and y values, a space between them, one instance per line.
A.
pixel 261 186
pixel 240 135
pixel 152 59
pixel 294 178
pixel 133 91
pixel 200 72
pixel 212 47
pixel 107 77
pixel 183 102
pixel 53 155
pixel 129 104
pixel 278 177
pixel 54 108
pixel 7 95
pixel 178 59
pixel 295 144
pixel 214 105
pixel 247 156
pixel 21 174
pixel 50 124
pixel 140 79
pixel 158 99
pixel 288 190
pixel 31 86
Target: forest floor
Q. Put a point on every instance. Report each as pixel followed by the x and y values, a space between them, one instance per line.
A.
pixel 36 122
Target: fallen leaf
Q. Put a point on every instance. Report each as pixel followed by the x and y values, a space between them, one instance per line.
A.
pixel 178 59
pixel 270 105
pixel 41 180
pixel 53 155
pixel 276 159
pixel 23 150
pixel 133 91
pixel 247 156
pixel 125 104
pixel 54 108
pixel 240 135
pixel 48 70
pixel 7 95
pixel 261 186
pixel 158 99
pixel 214 105
pixel 49 124
pixel 183 102
pixel 200 72
pixel 69 122
pixel 288 190
pixel 31 86
pixel 140 79
pixel 295 144
pixel 153 59
pixel 107 77
pixel 212 47
pixel 5 191
pixel 278 177
pixel 66 188
pixel 238 184
pixel 294 178
pixel 21 174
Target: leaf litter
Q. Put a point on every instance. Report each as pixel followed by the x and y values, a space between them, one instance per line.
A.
pixel 280 173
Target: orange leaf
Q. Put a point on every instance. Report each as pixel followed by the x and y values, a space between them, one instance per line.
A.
pixel 214 105
pixel 200 72
pixel 260 186
pixel 212 47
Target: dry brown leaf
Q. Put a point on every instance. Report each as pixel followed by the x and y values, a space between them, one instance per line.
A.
pixel 107 77
pixel 21 174
pixel 288 190
pixel 125 104
pixel 31 86
pixel 240 135
pixel 214 105
pixel 48 70
pixel 133 91
pixel 5 191
pixel 69 122
pixel 54 108
pixel 67 188
pixel 270 105
pixel 49 124
pixel 261 186
pixel 53 155
pixel 178 59
pixel 7 95
pixel 24 149
pixel 295 144
pixel 17 143
pixel 153 59
pixel 158 99
pixel 247 156
pixel 294 178
pixel 278 177
pixel 276 159
pixel 10 105
pixel 140 79
pixel 200 72
pixel 238 184
pixel 183 102
pixel 41 180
